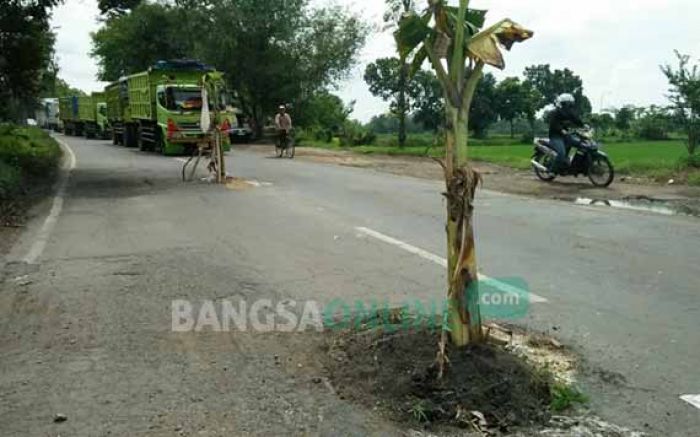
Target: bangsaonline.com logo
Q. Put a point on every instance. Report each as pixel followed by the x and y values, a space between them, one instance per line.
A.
pixel 500 299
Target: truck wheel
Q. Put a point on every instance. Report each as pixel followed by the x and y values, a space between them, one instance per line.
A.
pixel 140 142
pixel 160 143
pixel 126 136
pixel 133 137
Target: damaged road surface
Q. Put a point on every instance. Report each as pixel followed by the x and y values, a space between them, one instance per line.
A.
pixel 86 332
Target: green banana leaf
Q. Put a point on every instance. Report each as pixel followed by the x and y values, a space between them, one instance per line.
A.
pixel 413 30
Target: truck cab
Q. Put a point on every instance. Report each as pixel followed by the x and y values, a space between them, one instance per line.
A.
pixel 161 109
pixel 179 111
pixel 179 108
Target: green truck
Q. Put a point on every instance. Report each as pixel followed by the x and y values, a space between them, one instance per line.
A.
pixel 160 109
pixel 93 113
pixel 85 115
pixel 68 113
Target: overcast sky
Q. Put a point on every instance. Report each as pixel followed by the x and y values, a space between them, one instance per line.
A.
pixel 616 46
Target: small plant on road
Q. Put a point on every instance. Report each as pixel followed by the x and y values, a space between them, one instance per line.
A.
pixel 458 50
pixel 418 412
pixel 565 396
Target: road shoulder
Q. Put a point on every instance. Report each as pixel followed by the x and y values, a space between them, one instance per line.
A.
pixel 509 180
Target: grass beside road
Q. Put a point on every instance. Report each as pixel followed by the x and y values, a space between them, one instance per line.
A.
pixel 660 160
pixel 29 158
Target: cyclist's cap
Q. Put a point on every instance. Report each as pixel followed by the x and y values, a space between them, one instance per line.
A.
pixel 282 107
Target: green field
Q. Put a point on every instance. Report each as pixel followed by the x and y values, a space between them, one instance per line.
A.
pixel 656 159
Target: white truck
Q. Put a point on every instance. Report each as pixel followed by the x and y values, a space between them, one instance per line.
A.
pixel 47 114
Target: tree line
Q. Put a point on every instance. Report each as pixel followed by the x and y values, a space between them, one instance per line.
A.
pixel 296 55
pixel 511 101
pixel 27 64
pixel 272 52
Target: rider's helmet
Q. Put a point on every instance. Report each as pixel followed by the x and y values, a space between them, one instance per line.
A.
pixel 565 100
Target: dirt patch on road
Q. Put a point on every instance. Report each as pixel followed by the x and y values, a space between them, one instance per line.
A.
pixel 486 389
pixel 509 180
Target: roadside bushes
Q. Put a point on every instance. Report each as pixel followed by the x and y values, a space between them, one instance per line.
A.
pixel 355 134
pixel 26 154
pixel 691 161
pixel 10 180
pixel 425 140
pixel 654 124
pixel 694 179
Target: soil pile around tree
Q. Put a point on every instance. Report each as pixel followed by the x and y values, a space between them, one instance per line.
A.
pixel 485 388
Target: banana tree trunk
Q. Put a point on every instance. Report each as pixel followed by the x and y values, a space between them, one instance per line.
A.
pixel 464 315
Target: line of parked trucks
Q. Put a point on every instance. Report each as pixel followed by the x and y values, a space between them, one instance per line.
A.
pixel 158 110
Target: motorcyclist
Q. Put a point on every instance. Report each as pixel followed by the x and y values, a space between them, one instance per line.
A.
pixel 563 118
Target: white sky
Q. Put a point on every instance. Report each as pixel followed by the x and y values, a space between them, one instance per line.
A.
pixel 616 46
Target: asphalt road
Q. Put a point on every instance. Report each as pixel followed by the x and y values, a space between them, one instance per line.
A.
pixel 88 333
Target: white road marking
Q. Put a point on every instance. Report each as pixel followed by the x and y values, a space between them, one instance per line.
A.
pixel 500 285
pixel 258 184
pixel 180 159
pixel 693 400
pixel 44 234
pixel 405 246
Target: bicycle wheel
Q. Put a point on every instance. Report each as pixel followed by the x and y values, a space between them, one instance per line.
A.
pixel 278 149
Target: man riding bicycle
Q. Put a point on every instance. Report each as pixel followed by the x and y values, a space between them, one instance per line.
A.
pixel 283 123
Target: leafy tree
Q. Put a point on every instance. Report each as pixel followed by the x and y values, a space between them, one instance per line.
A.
pixel 452 34
pixel 531 100
pixel 551 84
pixel 115 8
pixel 484 110
pixel 277 52
pixel 388 123
pixel 602 122
pixel 323 111
pixel 26 50
pixel 54 86
pixel 515 99
pixel 624 117
pixel 423 93
pixel 685 97
pixel 395 10
pixel 58 87
pixel 512 101
pixel 428 106
pixel 382 76
pixel 383 124
pixel 654 123
pixel 272 52
pixel 131 43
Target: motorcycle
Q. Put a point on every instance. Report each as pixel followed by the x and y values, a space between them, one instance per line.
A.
pixel 587 160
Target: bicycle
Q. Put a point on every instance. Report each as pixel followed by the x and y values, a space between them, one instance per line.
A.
pixel 285 145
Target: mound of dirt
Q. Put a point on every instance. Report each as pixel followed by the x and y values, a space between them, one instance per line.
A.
pixel 486 387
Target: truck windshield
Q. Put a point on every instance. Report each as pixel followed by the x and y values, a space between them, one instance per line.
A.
pixel 176 99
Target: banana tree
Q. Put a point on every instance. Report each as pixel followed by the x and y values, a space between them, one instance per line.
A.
pixel 452 40
pixel 213 86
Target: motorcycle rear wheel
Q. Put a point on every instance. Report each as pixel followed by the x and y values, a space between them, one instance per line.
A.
pixel 601 171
